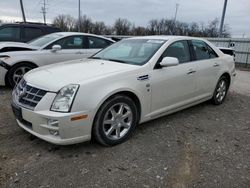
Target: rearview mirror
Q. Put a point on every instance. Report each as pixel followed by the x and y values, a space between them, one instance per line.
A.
pixel 169 62
pixel 56 48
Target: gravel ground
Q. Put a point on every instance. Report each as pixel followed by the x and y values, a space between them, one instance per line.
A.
pixel 203 146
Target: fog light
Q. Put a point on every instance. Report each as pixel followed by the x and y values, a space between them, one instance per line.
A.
pixel 53 132
pixel 53 122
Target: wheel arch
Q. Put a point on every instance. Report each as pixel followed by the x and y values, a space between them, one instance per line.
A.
pixel 125 92
pixel 227 75
pixel 18 63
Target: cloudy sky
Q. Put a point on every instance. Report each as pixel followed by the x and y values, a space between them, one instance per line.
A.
pixel 138 12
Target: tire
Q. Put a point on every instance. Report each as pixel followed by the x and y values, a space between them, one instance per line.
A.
pixel 16 73
pixel 115 121
pixel 220 91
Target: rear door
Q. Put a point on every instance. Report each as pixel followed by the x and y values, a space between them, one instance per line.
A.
pixel 29 33
pixel 207 65
pixel 95 44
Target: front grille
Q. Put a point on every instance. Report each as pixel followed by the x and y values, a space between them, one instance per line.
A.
pixel 28 96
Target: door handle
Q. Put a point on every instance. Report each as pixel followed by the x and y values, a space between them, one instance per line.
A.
pixel 191 71
pixel 216 64
pixel 79 52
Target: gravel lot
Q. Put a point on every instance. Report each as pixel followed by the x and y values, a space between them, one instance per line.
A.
pixel 203 146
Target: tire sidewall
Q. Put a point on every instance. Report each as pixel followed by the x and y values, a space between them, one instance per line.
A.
pixel 98 123
pixel 215 100
pixel 12 70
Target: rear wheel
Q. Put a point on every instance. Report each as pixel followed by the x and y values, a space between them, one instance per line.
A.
pixel 220 91
pixel 115 120
pixel 17 72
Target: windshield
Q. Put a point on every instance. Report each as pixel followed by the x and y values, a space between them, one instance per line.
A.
pixel 130 51
pixel 41 41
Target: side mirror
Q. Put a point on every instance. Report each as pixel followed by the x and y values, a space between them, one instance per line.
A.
pixel 169 62
pixel 56 48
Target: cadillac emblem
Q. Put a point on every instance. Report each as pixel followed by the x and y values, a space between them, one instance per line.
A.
pixel 21 92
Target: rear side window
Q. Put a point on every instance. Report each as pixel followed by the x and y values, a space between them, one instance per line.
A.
pixel 95 42
pixel 212 53
pixel 10 33
pixel 202 50
pixel 179 50
pixel 32 33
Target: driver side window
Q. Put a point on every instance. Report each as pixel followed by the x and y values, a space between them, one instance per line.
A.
pixel 179 50
pixel 72 42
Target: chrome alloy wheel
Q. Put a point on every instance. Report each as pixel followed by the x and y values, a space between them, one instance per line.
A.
pixel 19 73
pixel 221 90
pixel 117 121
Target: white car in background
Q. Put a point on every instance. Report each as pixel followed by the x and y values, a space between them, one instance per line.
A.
pixel 132 81
pixel 48 49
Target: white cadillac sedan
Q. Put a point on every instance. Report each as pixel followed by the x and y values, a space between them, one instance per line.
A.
pixel 130 82
pixel 16 59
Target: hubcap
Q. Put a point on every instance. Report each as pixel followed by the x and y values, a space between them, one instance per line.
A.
pixel 117 121
pixel 221 90
pixel 19 73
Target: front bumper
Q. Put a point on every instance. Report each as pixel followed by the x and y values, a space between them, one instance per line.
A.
pixel 63 132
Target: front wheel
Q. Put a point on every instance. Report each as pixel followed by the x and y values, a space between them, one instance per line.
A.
pixel 220 91
pixel 17 72
pixel 115 120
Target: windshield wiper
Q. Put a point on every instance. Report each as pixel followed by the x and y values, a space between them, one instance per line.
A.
pixel 116 60
pixel 95 58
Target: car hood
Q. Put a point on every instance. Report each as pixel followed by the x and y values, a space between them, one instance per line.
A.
pixel 54 77
pixel 16 45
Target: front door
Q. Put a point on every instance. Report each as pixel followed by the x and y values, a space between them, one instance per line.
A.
pixel 72 47
pixel 175 86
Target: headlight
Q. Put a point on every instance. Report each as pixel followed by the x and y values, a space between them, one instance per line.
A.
pixel 64 99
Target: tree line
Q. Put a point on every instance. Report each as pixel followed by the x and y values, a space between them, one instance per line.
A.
pixel 123 26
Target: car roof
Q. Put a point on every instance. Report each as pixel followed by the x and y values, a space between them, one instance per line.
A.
pixel 64 34
pixel 166 37
pixel 27 24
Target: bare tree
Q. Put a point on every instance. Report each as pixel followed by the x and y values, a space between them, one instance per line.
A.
pixel 99 28
pixel 86 24
pixel 122 26
pixel 155 27
pixel 64 22
pixel 212 30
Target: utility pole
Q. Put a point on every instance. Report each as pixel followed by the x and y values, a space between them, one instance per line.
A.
pixel 23 14
pixel 223 18
pixel 79 16
pixel 172 31
pixel 176 11
pixel 43 11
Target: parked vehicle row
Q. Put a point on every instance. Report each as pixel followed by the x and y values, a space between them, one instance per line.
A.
pixel 48 49
pixel 24 32
pixel 129 82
